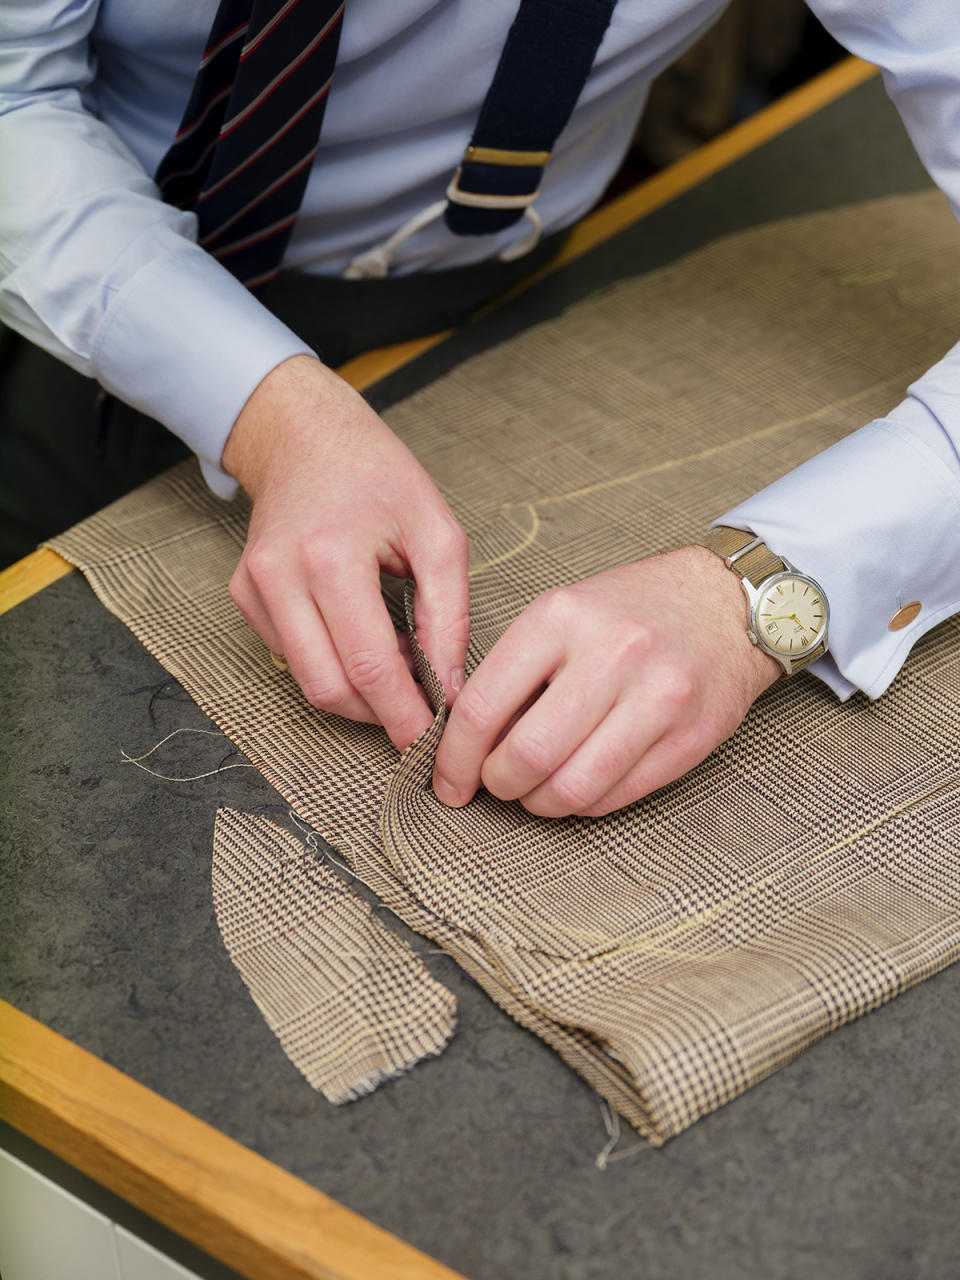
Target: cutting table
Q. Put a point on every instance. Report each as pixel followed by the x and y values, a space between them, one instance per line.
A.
pixel 136 1073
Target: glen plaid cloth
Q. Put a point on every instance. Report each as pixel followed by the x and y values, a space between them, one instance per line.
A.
pixel 684 948
pixel 350 1002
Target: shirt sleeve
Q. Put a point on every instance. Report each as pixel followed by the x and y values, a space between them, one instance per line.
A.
pixel 876 519
pixel 95 268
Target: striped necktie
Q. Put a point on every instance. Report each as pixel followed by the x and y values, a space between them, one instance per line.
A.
pixel 251 129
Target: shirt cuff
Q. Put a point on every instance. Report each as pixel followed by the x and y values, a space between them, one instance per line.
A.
pixel 184 342
pixel 876 521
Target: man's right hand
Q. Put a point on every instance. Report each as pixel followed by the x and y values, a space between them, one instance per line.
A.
pixel 336 499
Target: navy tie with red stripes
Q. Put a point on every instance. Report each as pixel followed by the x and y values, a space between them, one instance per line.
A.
pixel 250 131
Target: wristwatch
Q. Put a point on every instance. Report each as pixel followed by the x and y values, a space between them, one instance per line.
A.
pixel 789 613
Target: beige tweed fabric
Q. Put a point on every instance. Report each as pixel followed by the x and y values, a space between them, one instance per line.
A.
pixel 681 950
pixel 350 1002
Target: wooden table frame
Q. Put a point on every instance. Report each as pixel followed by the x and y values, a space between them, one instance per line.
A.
pixel 240 1208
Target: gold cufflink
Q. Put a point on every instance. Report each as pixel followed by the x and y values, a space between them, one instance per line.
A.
pixel 903 617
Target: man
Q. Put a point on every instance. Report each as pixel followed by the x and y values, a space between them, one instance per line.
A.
pixel 602 691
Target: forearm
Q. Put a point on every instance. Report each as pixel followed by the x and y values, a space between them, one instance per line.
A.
pixel 94 266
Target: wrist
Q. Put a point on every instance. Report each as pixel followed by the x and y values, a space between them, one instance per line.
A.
pixel 273 412
pixel 759 669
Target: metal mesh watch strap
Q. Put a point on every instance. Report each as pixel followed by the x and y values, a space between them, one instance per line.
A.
pixel 756 565
pixel 812 656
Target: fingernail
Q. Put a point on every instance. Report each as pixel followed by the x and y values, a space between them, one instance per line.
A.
pixel 458 678
pixel 446 793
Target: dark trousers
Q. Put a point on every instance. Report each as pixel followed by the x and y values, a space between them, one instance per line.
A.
pixel 61 461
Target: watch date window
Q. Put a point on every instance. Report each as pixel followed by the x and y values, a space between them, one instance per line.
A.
pixel 771 626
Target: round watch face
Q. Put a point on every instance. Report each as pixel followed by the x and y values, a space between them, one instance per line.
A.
pixel 790 616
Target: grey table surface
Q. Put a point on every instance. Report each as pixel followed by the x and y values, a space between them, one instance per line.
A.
pixel 844 1164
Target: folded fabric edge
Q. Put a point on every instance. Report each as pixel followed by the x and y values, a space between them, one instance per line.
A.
pixel 603 1073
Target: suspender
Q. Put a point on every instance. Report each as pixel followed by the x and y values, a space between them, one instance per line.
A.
pixel 544 65
pixel 250 81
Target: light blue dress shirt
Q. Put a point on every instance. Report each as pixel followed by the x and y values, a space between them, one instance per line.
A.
pixel 96 269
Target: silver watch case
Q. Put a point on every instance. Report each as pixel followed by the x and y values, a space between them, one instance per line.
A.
pixel 793 661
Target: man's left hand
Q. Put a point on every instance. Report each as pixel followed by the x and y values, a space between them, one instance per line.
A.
pixel 603 691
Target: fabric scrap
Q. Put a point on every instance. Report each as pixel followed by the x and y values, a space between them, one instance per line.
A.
pixel 349 1001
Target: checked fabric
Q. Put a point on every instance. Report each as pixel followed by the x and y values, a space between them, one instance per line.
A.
pixel 251 128
pixel 350 1003
pixel 681 950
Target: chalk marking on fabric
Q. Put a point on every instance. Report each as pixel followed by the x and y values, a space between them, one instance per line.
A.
pixel 666 933
pixel 528 540
pixel 867 277
pixel 711 452
pixel 659 940
pixel 669 464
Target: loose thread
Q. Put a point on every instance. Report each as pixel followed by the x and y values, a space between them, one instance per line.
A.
pixel 311 841
pixel 158 693
pixel 195 777
pixel 611 1123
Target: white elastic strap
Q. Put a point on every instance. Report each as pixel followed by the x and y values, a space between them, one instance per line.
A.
pixel 529 241
pixel 375 263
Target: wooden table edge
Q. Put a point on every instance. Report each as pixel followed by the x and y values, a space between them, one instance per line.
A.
pixel 236 1205
pixel 42 567
pixel 231 1202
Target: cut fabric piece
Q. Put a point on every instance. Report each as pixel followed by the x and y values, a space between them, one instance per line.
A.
pixel 682 949
pixel 349 1001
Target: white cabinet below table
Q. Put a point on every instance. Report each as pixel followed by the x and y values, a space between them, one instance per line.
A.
pixel 48 1234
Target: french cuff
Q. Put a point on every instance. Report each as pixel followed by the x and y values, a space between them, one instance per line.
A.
pixel 876 521
pixel 184 342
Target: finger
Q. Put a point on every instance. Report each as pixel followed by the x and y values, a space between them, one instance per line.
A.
pixel 551 730
pixel 667 759
pixel 248 600
pixel 517 666
pixel 601 762
pixel 300 636
pixel 442 602
pixel 281 610
pixel 314 663
pixel 369 653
